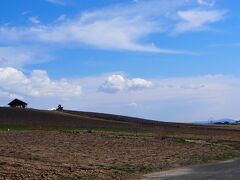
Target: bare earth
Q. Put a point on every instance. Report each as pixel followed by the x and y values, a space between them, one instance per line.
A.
pixel 111 153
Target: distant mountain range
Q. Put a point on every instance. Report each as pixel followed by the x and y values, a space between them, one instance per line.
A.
pixel 220 121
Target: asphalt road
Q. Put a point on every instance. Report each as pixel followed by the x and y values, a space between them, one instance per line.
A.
pixel 228 170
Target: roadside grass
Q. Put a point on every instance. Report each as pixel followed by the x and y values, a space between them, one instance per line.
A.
pixel 234 144
pixel 131 169
pixel 232 149
pixel 11 127
pixel 122 136
pixel 226 155
pixel 107 132
pixel 89 130
pixel 235 124
pixel 111 133
pixel 35 158
pixel 68 178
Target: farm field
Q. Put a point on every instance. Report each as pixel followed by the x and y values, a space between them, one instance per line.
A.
pixel 38 144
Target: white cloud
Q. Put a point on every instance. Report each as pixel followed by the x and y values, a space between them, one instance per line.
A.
pixel 132 104
pixel 135 1
pixel 113 84
pixel 38 83
pixel 228 45
pixel 206 2
pixel 197 20
pixel 122 34
pixel 26 12
pixel 183 99
pixel 62 17
pixel 10 56
pixel 119 27
pixel 116 83
pixel 34 20
pixel 138 83
pixel 15 56
pixel 58 2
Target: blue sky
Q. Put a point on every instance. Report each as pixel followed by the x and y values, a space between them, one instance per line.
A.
pixel 173 60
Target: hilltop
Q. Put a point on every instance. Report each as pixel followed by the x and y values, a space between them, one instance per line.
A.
pixel 78 119
pixel 40 144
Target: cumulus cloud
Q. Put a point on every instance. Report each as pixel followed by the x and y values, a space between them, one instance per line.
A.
pixel 197 20
pixel 184 99
pixel 138 83
pixel 116 83
pixel 38 83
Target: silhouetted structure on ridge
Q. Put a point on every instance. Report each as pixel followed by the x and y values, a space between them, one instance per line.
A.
pixel 16 103
pixel 60 107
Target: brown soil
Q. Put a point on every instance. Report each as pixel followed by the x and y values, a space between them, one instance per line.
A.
pixel 104 154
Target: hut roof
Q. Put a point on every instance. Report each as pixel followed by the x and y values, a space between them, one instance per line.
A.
pixel 17 102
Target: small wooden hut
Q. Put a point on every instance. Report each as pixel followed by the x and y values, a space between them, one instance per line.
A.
pixel 16 103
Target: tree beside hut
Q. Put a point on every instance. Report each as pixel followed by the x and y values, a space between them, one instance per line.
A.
pixel 59 108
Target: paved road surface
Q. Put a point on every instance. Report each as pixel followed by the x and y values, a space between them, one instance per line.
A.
pixel 228 170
